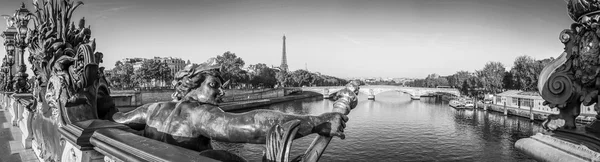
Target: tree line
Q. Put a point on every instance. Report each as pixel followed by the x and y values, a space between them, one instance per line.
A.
pixel 151 73
pixel 262 76
pixel 492 79
pixel 156 73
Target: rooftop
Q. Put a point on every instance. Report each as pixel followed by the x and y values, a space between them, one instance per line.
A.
pixel 521 94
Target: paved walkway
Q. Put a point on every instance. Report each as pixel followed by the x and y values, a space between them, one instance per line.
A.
pixel 11 149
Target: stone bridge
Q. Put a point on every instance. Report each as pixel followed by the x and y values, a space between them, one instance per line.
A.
pixel 373 90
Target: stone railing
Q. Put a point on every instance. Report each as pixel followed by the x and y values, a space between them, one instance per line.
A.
pixel 121 145
pixel 19 108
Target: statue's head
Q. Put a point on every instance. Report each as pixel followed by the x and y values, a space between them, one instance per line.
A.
pixel 199 82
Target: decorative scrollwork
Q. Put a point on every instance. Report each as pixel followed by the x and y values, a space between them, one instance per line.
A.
pixel 558 89
pixel 564 36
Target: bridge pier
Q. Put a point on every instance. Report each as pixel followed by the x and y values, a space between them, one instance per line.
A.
pixel 326 93
pixel 505 111
pixel 531 117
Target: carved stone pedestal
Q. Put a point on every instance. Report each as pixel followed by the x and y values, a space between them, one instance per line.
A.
pixel 2 101
pixel 24 118
pixel 14 112
pixel 25 126
pixel 73 153
pixel 7 100
pixel 37 149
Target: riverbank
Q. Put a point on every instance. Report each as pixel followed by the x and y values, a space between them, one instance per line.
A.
pixel 247 104
pixel 537 115
pixel 240 105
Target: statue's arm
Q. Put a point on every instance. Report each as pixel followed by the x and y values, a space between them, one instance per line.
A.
pixel 251 127
pixel 136 116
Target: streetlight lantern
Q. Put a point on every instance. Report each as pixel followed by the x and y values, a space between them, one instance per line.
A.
pixel 23 32
pixel 23 13
pixel 20 19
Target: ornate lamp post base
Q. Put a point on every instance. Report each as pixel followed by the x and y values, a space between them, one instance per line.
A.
pixel 20 82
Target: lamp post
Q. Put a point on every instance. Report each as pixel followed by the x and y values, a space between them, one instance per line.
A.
pixel 22 17
pixel 9 36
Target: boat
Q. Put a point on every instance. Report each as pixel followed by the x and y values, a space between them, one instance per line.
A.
pixel 457 104
pixel 415 97
pixel 584 120
pixel 469 104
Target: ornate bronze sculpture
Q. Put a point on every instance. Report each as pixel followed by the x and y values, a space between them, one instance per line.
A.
pixel 69 85
pixel 572 79
pixel 568 82
pixel 196 118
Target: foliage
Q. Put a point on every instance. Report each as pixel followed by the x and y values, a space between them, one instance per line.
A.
pixel 473 86
pixel 152 71
pixel 301 77
pixel 525 72
pixel 262 75
pixel 432 81
pixel 120 76
pixel 508 80
pixel 456 80
pixel 231 68
pixel 282 78
pixel 491 77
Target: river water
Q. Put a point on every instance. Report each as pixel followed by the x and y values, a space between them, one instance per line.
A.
pixel 396 128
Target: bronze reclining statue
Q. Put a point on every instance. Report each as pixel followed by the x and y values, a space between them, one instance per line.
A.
pixel 194 117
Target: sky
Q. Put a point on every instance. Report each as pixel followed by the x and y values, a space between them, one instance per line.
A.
pixel 343 38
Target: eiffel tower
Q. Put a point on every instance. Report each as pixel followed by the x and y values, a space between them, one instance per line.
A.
pixel 284 65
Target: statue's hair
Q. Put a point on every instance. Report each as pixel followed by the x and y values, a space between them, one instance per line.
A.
pixel 191 77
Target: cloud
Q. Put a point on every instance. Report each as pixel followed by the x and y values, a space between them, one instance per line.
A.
pixel 103 14
pixel 346 37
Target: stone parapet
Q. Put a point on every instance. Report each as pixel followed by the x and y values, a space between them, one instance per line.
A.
pixel 548 148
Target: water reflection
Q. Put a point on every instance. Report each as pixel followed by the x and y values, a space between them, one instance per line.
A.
pixel 395 128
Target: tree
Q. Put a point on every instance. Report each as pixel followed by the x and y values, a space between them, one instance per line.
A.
pixel 491 77
pixel 522 72
pixel 262 75
pixel 464 88
pixel 456 80
pixel 508 80
pixel 301 77
pixel 231 67
pixel 120 76
pixel 152 72
pixel 525 72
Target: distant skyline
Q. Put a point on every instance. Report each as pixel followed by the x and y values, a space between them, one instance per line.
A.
pixel 343 38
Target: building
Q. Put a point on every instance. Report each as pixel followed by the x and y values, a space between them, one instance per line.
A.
pixel 523 100
pixel 526 100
